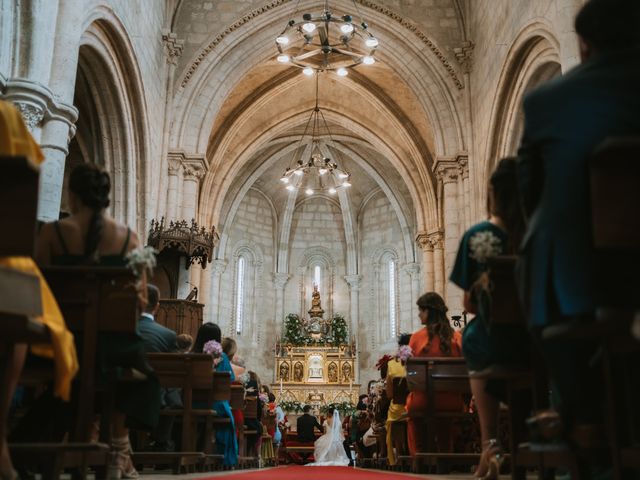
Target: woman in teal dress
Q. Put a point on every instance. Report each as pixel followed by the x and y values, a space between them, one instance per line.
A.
pixel 226 440
pixel 484 344
pixel 90 237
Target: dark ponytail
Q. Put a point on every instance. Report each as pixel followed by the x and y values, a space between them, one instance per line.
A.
pixel 92 186
pixel 504 183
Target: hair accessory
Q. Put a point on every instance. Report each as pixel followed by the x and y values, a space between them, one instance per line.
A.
pixel 383 361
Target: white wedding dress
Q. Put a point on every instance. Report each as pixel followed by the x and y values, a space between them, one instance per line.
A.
pixel 328 449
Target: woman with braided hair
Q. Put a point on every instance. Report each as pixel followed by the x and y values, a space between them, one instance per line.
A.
pixel 89 236
pixel 436 339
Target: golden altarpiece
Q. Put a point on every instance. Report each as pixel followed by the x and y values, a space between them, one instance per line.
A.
pixel 321 367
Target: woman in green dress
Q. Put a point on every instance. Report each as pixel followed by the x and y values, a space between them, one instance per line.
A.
pixel 89 236
pixel 484 344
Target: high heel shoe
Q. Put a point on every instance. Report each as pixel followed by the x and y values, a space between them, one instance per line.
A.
pixel 490 461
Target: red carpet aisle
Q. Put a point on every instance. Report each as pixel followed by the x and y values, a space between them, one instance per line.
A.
pixel 315 473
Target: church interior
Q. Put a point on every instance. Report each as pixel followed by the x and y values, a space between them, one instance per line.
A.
pixel 223 218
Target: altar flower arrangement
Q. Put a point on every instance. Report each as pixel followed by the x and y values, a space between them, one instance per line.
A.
pixel 214 349
pixel 292 407
pixel 483 246
pixel 345 408
pixel 404 353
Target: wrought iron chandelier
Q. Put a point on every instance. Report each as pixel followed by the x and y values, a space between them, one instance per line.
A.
pixel 326 42
pixel 317 174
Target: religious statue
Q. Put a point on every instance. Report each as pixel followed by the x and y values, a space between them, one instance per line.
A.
pixel 298 372
pixel 346 372
pixel 332 372
pixel 315 315
pixel 315 364
pixel 284 371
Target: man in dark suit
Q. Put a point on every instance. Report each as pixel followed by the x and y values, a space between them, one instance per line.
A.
pixel 305 425
pixel 565 119
pixel 160 339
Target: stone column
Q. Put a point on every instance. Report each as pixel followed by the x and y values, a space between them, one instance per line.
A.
pixel 427 261
pixel 218 267
pixel 464 192
pixel 174 170
pixel 280 280
pixel 437 245
pixel 190 188
pixel 447 172
pixel 204 293
pixel 354 287
pixel 413 270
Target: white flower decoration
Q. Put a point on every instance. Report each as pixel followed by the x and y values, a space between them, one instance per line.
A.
pixel 483 246
pixel 141 259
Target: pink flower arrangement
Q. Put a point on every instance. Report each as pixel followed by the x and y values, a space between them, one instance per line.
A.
pixel 213 348
pixel 404 353
pixel 264 398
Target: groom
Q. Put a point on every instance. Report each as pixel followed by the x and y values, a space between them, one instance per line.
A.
pixel 305 425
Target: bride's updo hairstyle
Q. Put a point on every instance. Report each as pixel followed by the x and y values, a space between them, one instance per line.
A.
pixel 91 186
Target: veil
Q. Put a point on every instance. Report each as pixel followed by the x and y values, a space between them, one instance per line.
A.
pixel 328 449
pixel 336 427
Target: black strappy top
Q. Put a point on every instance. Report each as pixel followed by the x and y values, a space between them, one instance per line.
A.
pixel 69 259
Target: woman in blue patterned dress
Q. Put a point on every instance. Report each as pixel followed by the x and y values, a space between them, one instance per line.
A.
pixel 226 440
pixel 484 344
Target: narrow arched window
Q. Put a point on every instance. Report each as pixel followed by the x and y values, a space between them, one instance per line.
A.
pixel 393 320
pixel 240 285
pixel 317 275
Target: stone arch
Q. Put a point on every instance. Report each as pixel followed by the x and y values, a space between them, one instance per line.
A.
pixel 533 58
pixel 377 294
pixel 109 90
pixel 250 42
pixel 323 256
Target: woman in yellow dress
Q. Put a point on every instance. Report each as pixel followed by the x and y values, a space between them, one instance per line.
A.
pixel 396 368
pixel 15 140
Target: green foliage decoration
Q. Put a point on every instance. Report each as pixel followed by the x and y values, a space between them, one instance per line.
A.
pixel 345 408
pixel 294 333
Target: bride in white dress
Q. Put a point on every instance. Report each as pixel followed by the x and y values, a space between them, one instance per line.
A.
pixel 328 449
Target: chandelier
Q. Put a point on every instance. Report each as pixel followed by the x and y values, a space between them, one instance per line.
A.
pixel 317 174
pixel 326 42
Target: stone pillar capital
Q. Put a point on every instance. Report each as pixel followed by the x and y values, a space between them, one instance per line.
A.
pixel 353 281
pixel 437 239
pixel 422 239
pixel 193 165
pixel 447 170
pixel 464 55
pixel 280 279
pixel 31 114
pixel 463 163
pixel 172 46
pixel 411 268
pixel 219 265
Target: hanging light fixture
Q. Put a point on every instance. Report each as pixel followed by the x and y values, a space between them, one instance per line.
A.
pixel 316 174
pixel 326 42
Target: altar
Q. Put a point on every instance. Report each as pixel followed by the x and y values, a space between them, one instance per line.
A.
pixel 315 362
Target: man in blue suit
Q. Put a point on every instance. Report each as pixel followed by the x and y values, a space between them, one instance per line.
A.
pixel 565 119
pixel 158 338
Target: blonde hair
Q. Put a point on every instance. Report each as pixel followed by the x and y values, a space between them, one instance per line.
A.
pixel 229 346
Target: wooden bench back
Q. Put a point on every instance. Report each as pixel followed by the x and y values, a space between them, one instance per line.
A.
pixel 93 300
pixel 614 173
pixel 18 206
pixel 452 378
pixel 251 407
pixel 508 309
pixel 237 396
pixel 418 367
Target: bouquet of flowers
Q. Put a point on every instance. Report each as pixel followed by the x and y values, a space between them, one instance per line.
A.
pixel 483 246
pixel 214 349
pixel 264 398
pixel 141 261
pixel 404 353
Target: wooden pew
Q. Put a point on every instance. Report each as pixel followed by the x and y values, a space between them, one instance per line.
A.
pixel 439 375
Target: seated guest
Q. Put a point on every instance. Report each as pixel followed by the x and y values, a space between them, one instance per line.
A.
pixel 89 236
pixel 565 120
pixel 184 341
pixel 158 338
pixel 230 347
pixel 396 369
pixel 226 440
pixel 252 387
pixel 436 339
pixel 15 140
pixel 498 344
